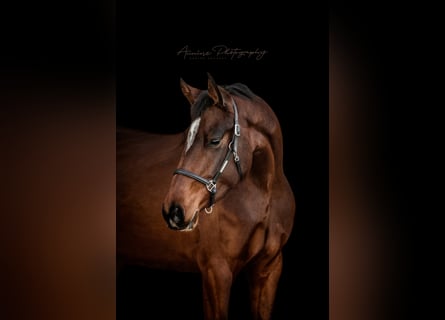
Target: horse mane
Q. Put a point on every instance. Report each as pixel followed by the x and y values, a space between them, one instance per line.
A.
pixel 204 101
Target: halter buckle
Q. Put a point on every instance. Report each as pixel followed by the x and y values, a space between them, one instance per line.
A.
pixel 211 186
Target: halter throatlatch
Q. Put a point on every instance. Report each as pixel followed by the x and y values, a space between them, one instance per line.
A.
pixel 232 149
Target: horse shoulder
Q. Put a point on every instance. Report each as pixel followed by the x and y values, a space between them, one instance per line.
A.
pixel 243 223
pixel 276 217
pixel 281 217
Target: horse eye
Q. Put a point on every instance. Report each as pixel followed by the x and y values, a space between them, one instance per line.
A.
pixel 214 142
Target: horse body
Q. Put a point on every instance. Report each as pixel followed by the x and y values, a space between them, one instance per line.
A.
pixel 248 225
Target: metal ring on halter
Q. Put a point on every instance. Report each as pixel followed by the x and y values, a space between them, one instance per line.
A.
pixel 230 146
pixel 235 154
pixel 209 210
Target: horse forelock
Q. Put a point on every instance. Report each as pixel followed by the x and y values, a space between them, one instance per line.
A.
pixel 202 102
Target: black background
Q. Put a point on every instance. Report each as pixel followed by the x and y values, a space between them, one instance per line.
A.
pixel 293 78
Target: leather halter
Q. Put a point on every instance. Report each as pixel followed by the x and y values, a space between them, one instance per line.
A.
pixel 232 148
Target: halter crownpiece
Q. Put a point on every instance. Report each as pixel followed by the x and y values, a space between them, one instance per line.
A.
pixel 232 149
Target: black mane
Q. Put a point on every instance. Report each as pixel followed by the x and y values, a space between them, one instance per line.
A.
pixel 204 101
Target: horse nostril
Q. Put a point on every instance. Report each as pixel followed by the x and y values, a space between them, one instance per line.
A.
pixel 174 217
pixel 176 214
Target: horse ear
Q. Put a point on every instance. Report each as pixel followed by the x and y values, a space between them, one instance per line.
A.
pixel 189 92
pixel 214 91
pixel 218 94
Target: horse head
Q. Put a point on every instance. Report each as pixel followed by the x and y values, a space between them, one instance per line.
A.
pixel 215 156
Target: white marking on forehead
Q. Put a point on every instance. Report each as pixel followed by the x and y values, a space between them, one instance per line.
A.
pixel 192 133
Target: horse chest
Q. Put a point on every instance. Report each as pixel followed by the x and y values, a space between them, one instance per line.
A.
pixel 232 234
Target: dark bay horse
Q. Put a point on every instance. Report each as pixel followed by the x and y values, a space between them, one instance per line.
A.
pixel 213 199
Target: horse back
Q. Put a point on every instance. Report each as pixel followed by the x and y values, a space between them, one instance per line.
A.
pixel 145 165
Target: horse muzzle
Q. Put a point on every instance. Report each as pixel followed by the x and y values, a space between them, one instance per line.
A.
pixel 175 218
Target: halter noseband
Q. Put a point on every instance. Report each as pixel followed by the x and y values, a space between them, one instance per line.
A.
pixel 232 149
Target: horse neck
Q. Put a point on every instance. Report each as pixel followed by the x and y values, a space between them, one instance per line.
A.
pixel 268 141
